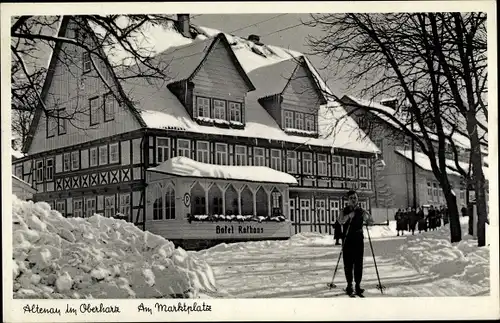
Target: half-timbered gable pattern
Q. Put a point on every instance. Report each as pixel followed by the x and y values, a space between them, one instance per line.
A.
pixel 216 108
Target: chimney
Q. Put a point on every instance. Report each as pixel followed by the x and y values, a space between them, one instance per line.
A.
pixel 183 24
pixel 255 39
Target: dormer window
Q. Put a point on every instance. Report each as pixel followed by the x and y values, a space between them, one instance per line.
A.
pixel 299 120
pixel 235 111
pixel 309 122
pixel 203 107
pixel 288 119
pixel 219 110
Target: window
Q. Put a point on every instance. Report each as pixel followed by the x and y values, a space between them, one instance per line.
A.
pixel 51 123
pixel 307 163
pixel 259 159
pixel 93 157
pixel 67 162
pixel 199 205
pixel 429 191
pixel 125 205
pixel 203 107
pixel 77 208
pixel 75 160
pixel 103 155
pixel 61 207
pixel 109 206
pixel 363 168
pixel 220 109
pixel 61 122
pixel 276 159
pixel 184 148
pixel 336 166
pixel 114 153
pixel 49 169
pixel 291 161
pixel 90 206
pixel 320 210
pixel 221 154
pixel 162 149
pixel 288 119
pixel 109 107
pixel 203 152
pixel 299 121
pixel 39 171
pixel 94 111
pixel 305 209
pixel 86 62
pixel 241 155
pixel 276 203
pixel 334 210
pixel 322 165
pixel 309 122
pixel 350 167
pixel 158 208
pixel 234 111
pixel 170 203
pixel 435 191
pixel 291 203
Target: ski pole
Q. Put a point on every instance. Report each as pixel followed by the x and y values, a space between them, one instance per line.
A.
pixel 379 286
pixel 332 285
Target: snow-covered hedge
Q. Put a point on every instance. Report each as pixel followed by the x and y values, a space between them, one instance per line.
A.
pixel 98 257
pixel 237 218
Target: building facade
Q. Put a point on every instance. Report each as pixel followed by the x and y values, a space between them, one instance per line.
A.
pixel 96 154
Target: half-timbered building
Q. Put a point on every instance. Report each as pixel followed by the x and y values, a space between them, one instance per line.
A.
pixel 230 102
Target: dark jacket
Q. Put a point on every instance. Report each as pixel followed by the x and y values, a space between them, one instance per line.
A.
pixel 354 225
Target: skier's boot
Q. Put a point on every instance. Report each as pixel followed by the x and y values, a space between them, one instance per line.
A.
pixel 349 290
pixel 359 290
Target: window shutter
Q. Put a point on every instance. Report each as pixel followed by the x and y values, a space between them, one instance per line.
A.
pixel 231 154
pixel 266 153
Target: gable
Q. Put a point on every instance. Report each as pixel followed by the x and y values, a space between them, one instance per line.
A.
pixel 68 87
pixel 301 91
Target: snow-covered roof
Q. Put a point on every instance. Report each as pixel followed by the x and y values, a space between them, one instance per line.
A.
pixel 16 153
pixel 423 161
pixel 186 167
pixel 160 109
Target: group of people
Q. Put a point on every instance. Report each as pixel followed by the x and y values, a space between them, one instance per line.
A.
pixel 408 219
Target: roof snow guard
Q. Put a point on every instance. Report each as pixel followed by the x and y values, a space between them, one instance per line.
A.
pixel 186 167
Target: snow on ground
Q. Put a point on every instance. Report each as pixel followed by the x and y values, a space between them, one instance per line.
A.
pixel 422 265
pixel 98 257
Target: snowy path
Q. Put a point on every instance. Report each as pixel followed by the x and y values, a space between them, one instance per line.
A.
pixel 283 269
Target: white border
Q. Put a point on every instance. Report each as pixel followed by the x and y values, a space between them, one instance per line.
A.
pixel 262 309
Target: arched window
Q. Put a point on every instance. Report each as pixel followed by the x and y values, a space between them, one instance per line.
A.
pixel 246 201
pixel 276 203
pixel 158 208
pixel 231 201
pixel 198 201
pixel 170 203
pixel 215 200
pixel 262 206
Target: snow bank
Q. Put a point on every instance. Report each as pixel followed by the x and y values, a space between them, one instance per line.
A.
pixel 98 257
pixel 432 253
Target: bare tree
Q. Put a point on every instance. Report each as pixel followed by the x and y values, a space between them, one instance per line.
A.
pixel 113 43
pixel 417 58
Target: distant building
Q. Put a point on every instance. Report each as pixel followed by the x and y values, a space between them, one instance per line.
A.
pixel 21 189
pixel 231 102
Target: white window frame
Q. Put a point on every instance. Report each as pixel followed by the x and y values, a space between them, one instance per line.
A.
pixel 350 167
pixel 429 191
pixel 307 163
pixel 109 107
pixel 234 111
pixel 66 162
pixel 110 206
pixel 78 207
pixel 320 216
pixel 94 111
pixel 363 168
pixel 158 210
pixel 299 121
pixel 86 62
pixel 309 122
pixel 334 210
pixel 241 155
pixel 276 159
pixel 288 119
pixel 219 109
pixel 186 149
pixel 90 208
pixel 75 160
pixel 49 169
pixel 169 213
pixel 305 210
pixel 61 207
pixel 259 159
pixel 124 206
pixel 39 171
pixel 101 160
pixel 291 161
pixel 114 157
pixel 219 154
pixel 336 166
pixel 204 104
pixel 93 162
pixel 322 165
pixel 165 149
pixel 203 155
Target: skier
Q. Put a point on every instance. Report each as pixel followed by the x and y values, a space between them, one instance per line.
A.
pixel 352 218
pixel 412 220
pixel 399 221
pixel 422 221
pixel 337 233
